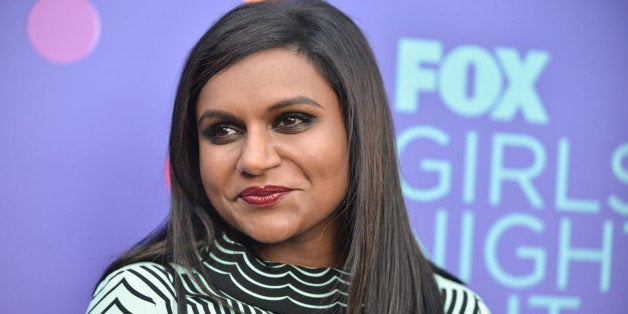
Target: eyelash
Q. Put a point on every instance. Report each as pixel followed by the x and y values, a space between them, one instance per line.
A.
pixel 212 133
pixel 303 120
pixel 306 120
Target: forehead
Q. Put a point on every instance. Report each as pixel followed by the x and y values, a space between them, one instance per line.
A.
pixel 264 78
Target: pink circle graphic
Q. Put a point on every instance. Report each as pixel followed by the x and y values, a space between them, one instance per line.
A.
pixel 63 31
pixel 167 172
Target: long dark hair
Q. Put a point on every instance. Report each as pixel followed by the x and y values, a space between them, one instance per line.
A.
pixel 389 274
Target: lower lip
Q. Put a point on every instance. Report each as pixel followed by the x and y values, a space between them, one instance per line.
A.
pixel 264 200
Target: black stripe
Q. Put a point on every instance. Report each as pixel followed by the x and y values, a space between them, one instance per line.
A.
pixel 106 294
pixel 476 307
pixel 189 284
pixel 235 264
pixel 192 306
pixel 453 302
pixel 445 274
pixel 135 292
pixel 128 287
pixel 163 282
pixel 267 271
pixel 225 283
pixel 206 307
pixel 105 283
pixel 155 289
pixel 464 301
pixel 193 292
pixel 238 253
pixel 118 305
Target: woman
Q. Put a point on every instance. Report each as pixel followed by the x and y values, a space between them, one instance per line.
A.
pixel 285 190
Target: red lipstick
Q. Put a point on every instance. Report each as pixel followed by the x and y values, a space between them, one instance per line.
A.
pixel 263 196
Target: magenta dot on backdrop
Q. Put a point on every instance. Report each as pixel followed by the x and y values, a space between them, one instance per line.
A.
pixel 167 172
pixel 63 31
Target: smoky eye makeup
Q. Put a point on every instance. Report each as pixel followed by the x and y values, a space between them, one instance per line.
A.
pixel 222 133
pixel 292 122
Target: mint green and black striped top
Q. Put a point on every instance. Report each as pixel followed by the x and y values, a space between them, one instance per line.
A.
pixel 243 283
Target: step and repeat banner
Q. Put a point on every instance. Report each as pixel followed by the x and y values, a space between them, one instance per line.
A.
pixel 511 123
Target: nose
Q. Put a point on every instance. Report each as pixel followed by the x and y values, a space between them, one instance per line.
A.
pixel 258 153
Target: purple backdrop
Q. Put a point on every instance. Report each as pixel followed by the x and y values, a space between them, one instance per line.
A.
pixel 511 124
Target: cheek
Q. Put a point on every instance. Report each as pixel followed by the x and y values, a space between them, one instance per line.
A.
pixel 329 162
pixel 331 183
pixel 340 168
pixel 214 169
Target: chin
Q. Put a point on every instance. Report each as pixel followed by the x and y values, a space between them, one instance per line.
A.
pixel 269 229
pixel 269 236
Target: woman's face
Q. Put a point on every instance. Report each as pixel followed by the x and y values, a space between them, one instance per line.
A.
pixel 273 148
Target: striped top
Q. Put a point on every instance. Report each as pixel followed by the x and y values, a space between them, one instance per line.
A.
pixel 243 283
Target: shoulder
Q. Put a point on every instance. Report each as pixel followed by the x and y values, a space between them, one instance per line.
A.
pixel 136 288
pixel 458 298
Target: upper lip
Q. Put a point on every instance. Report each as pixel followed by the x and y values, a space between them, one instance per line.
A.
pixel 263 190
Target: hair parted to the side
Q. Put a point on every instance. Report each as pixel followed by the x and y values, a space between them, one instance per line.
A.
pixel 389 274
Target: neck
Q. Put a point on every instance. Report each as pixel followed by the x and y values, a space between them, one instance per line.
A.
pixel 319 251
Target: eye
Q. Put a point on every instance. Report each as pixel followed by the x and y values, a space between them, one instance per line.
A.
pixel 222 133
pixel 292 122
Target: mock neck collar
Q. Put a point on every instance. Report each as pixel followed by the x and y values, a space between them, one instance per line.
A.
pixel 271 286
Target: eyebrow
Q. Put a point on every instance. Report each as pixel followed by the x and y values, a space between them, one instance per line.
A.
pixel 294 101
pixel 298 100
